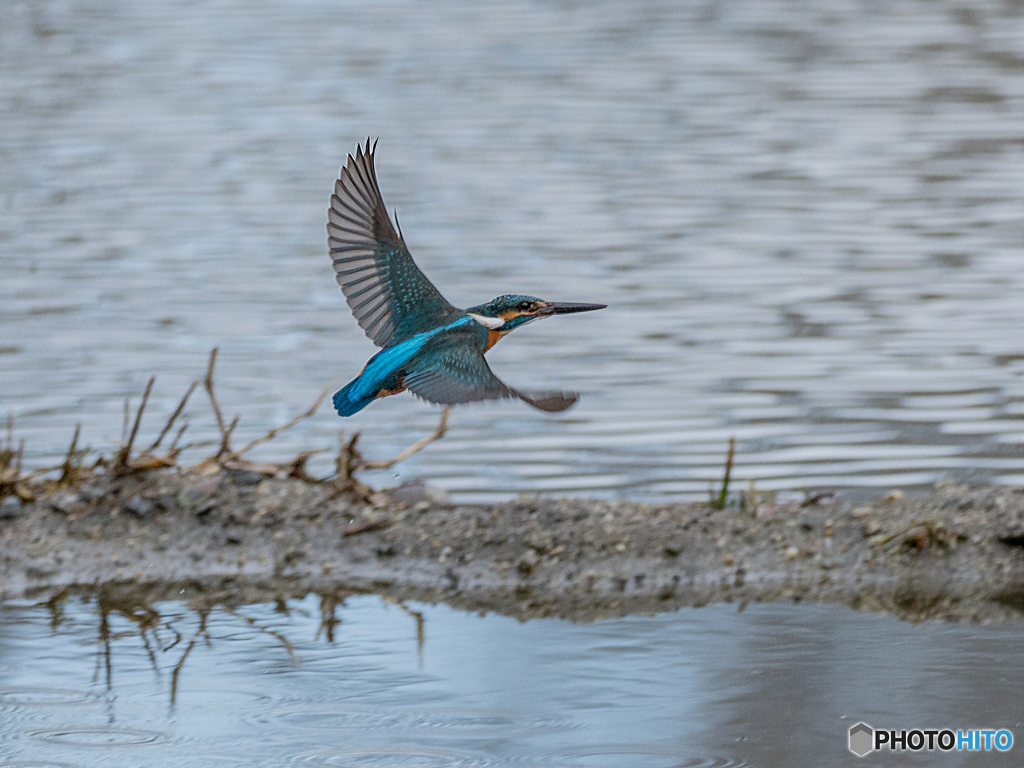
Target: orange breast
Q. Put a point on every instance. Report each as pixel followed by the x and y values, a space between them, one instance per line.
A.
pixel 492 338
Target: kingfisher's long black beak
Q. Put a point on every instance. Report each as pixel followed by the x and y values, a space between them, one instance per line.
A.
pixel 567 308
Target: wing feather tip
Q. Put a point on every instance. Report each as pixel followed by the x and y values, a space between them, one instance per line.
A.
pixel 550 402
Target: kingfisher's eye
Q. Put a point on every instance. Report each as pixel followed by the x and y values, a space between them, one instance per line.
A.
pixel 524 305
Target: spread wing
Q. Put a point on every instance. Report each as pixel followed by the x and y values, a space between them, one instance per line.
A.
pixel 390 297
pixel 459 374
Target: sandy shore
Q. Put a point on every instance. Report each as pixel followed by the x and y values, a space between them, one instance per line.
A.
pixel 956 553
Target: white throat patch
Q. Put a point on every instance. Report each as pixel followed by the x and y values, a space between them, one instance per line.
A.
pixel 488 322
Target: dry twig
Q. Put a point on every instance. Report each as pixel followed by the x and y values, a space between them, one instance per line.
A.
pixel 416 447
pixel 349 460
pixel 278 430
pixel 225 432
pixel 69 471
pixel 126 450
pixel 174 417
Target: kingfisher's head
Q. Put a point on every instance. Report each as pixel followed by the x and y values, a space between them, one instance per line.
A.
pixel 508 312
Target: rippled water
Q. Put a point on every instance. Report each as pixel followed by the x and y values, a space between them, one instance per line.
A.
pixel 806 217
pixel 93 683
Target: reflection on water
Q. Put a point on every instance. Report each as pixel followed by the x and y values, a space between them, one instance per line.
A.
pixel 806 218
pixel 356 681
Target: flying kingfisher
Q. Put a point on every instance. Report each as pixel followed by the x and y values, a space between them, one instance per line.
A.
pixel 430 348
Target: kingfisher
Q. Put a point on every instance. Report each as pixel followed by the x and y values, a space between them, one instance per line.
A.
pixel 429 347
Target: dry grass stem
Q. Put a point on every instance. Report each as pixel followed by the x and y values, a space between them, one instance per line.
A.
pixel 720 501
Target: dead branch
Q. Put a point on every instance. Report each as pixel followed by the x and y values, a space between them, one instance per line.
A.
pixel 8 456
pixel 124 423
pixel 69 470
pixel 297 466
pixel 278 430
pixel 225 440
pixel 174 417
pixel 225 432
pixel 174 449
pixel 416 447
pixel 348 460
pixel 365 526
pixel 126 450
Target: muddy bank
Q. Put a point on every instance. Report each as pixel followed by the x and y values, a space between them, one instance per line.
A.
pixel 956 553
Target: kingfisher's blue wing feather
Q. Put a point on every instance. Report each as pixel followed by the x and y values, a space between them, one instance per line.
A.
pixel 450 374
pixel 390 297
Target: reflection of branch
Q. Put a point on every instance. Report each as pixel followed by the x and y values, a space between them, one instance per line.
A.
pixel 177 669
pixel 149 651
pixel 177 637
pixel 328 618
pixel 267 630
pixel 104 654
pixel 420 625
pixel 200 630
pixel 56 607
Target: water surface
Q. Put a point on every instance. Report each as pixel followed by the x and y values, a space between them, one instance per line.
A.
pixel 805 217
pixel 314 682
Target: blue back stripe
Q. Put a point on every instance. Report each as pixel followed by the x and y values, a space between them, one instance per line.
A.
pixel 387 360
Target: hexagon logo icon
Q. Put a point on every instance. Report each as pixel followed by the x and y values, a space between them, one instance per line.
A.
pixel 862 737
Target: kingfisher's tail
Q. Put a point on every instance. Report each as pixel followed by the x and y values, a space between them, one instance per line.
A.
pixel 349 399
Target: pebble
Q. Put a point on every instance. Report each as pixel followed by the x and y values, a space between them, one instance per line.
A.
pixel 416 492
pixel 792 553
pixel 10 508
pixel 527 562
pixel 245 477
pixel 138 507
pixel 65 502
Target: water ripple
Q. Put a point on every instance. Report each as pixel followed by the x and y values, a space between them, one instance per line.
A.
pixel 465 722
pixel 101 737
pixel 787 242
pixel 30 697
pixel 392 757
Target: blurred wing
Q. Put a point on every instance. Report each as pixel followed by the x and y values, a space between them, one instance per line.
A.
pixel 385 289
pixel 461 375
